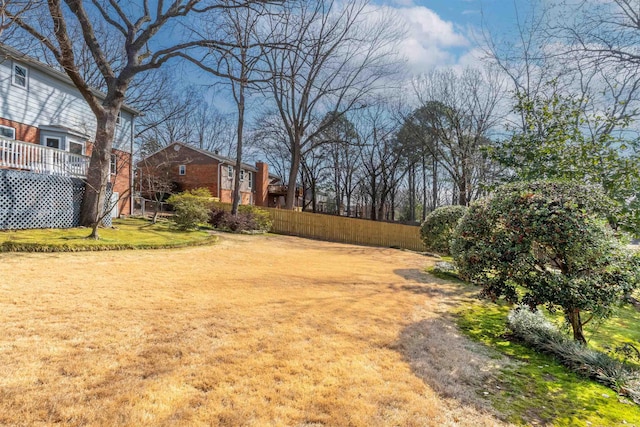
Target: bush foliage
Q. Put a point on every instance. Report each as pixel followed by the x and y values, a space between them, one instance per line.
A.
pixel 191 208
pixel 249 218
pixel 546 243
pixel 437 229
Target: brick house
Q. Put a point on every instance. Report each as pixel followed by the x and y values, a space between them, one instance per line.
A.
pixel 188 167
pixel 46 127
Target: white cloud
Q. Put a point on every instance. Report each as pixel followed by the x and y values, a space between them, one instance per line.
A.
pixel 429 40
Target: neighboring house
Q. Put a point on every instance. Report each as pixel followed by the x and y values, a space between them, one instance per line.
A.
pixel 187 168
pixel 46 127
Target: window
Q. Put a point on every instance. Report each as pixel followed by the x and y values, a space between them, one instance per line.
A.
pixel 230 172
pixel 250 181
pixel 241 175
pixel 113 164
pixel 52 142
pixel 20 75
pixel 8 132
pixel 182 169
pixel 76 147
pixel 119 118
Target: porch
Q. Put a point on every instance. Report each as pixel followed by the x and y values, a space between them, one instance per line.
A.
pixel 19 155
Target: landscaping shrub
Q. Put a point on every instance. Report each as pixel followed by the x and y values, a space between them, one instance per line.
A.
pixel 437 229
pixel 249 218
pixel 190 208
pixel 261 218
pixel 536 331
pixel 546 243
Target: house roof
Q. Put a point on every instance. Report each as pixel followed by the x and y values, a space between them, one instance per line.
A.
pixel 219 158
pixel 13 54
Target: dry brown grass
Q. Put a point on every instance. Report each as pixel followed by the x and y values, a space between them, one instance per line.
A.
pixel 258 330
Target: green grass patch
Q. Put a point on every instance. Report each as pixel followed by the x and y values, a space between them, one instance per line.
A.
pixel 131 233
pixel 538 389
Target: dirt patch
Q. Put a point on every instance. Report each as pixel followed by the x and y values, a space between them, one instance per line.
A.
pixel 257 330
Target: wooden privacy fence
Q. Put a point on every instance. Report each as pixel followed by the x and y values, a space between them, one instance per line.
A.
pixel 345 230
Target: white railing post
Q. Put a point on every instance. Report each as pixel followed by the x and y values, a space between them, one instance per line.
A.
pixel 40 159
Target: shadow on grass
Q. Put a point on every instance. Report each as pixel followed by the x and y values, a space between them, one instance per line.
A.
pixel 494 374
pixel 453 366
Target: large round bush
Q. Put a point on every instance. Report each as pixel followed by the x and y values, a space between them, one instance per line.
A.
pixel 546 243
pixel 437 229
pixel 190 208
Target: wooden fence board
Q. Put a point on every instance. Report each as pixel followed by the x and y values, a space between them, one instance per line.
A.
pixel 342 229
pixel 346 230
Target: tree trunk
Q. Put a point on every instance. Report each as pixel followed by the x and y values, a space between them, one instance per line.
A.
pixel 573 314
pixel 293 175
pixel 412 193
pixel 434 184
pixel 424 189
pixel 240 104
pixel 93 201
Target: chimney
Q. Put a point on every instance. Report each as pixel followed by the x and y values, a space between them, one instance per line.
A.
pixel 262 184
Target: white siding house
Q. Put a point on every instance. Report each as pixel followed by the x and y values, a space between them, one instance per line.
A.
pixel 46 126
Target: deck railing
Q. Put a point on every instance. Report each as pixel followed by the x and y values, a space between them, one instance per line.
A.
pixel 40 159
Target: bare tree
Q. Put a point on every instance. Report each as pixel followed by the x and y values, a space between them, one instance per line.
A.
pixel 337 57
pixel 462 113
pixel 236 63
pixel 155 181
pixel 586 49
pixel 381 157
pixel 341 140
pixel 142 47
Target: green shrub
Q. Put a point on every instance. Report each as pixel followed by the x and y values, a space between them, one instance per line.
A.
pixel 190 208
pixel 249 218
pixel 536 331
pixel 260 217
pixel 546 243
pixel 437 229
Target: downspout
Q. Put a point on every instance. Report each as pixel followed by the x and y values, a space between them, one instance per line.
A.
pixel 219 179
pixel 133 117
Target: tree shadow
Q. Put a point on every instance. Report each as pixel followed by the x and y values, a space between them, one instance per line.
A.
pixel 452 365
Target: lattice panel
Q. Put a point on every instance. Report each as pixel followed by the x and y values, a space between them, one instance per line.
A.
pixel 31 200
pixel 106 221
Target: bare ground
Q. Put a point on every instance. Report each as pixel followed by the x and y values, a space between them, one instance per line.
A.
pixel 257 330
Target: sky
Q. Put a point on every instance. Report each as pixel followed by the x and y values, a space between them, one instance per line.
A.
pixel 441 32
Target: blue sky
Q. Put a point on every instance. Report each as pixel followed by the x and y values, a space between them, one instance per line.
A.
pixel 440 32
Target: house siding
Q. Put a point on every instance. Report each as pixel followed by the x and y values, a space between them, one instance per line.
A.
pixel 55 102
pixel 52 102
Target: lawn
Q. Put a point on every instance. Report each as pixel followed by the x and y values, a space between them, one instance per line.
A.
pixel 256 330
pixel 538 389
pixel 126 234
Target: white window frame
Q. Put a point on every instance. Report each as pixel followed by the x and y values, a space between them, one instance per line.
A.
pixel 241 175
pixel 113 164
pixel 230 172
pixel 13 131
pixel 14 76
pixel 250 183
pixel 75 141
pixel 47 137
pixel 119 118
pixel 182 170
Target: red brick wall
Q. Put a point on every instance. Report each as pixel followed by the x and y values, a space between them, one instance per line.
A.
pixel 23 132
pixel 226 196
pixel 201 170
pixel 121 179
pixel 262 184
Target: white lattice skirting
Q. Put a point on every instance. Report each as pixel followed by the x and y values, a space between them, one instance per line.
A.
pixel 32 200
